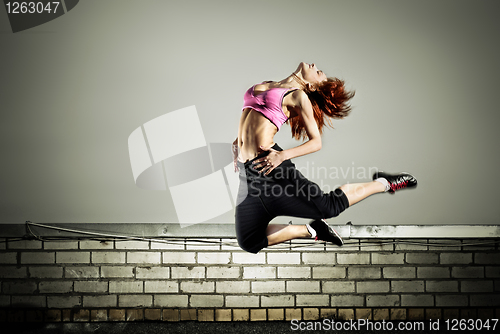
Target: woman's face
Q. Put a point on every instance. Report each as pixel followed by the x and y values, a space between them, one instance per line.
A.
pixel 310 73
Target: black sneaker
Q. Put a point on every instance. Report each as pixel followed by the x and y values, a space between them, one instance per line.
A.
pixel 325 233
pixel 397 181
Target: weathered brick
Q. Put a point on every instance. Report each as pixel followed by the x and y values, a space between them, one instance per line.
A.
pixel 277 300
pixel 399 272
pixel 24 244
pixel 407 286
pixel 91 286
pixel 223 272
pixel 205 315
pixel 230 244
pixel 108 257
pixel 171 300
pixel 249 258
pixel 319 258
pixel 195 245
pixel 135 300
pixel 417 300
pixel 135 315
pixel 11 257
pixel 55 287
pixel 63 301
pixel 356 258
pixel 410 244
pixel 81 315
pixel 492 271
pixel 132 244
pixel 52 315
pixel 275 314
pixel 187 272
pixel 152 272
pixel 169 245
pixel 19 287
pixel 467 272
pixel 73 257
pixel 98 315
pixel 206 301
pixel 242 301
pixel 116 315
pixel 13 272
pixel 476 286
pixel 4 301
pixel 487 258
pixel 452 301
pixel 223 315
pixel 433 272
pixel 363 313
pixel 46 272
pixel 152 314
pixel 398 314
pixel 214 258
pixel 388 258
pixel 381 314
pixel 441 286
pixel 38 257
pixel 382 301
pixel 232 287
pixel 379 245
pixel 68 244
pixel 346 314
pixel 197 287
pixel 455 258
pixel 417 258
pixel 283 258
pixel 302 286
pixel 126 286
pixel 161 287
pixel 144 257
pixel 372 286
pixel 338 287
pixel 310 313
pixel 257 314
pixel 268 287
pixel 313 300
pixel 363 272
pixel 117 271
pixel 81 272
pixel 179 257
pixel 241 314
pixel 100 301
pixel 485 300
pixel 445 245
pixel 95 244
pixel 259 272
pixel 294 272
pixel 350 300
pixel 329 272
pixel 27 302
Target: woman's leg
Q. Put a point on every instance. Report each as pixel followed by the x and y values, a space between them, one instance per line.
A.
pixel 278 233
pixel 356 192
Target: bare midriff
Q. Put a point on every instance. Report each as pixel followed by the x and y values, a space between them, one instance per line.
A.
pixel 254 131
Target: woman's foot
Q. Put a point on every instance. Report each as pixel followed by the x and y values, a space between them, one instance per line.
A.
pixel 396 181
pixel 324 232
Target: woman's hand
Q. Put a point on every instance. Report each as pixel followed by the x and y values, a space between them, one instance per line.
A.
pixel 270 161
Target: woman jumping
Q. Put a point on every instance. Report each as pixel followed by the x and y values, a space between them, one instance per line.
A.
pixel 270 185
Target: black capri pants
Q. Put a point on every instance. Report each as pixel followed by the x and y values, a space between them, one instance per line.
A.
pixel 284 192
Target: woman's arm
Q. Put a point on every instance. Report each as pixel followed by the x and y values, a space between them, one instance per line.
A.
pixel 301 103
pixel 234 149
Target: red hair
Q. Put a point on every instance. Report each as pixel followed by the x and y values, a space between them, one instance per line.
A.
pixel 329 100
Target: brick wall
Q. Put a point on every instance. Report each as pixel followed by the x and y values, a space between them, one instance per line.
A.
pixel 213 280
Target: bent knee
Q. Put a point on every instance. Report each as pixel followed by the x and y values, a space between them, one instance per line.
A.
pixel 252 246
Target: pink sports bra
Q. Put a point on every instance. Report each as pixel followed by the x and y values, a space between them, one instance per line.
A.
pixel 268 103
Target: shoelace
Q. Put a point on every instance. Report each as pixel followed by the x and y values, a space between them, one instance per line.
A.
pixel 396 186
